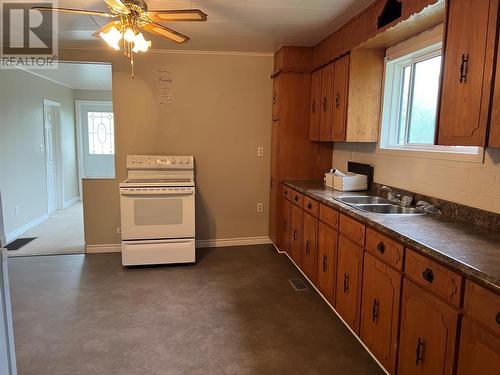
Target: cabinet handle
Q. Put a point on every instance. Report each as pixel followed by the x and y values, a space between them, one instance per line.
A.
pixel 309 205
pixel 375 307
pixel 313 106
pixel 324 104
pixel 497 318
pixel 296 198
pixel 294 235
pixel 308 247
pixel 381 247
pixel 464 68
pixel 420 351
pixel 346 282
pixel 337 100
pixel 428 275
pixel 325 263
pixel 286 192
pixel 274 98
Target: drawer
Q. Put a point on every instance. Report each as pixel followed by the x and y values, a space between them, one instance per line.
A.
pixel 433 276
pixel 287 192
pixel 311 206
pixel 352 229
pixel 387 250
pixel 297 198
pixel 482 305
pixel 329 216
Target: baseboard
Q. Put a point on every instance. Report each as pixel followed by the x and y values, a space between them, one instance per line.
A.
pixel 242 241
pixel 70 202
pixel 106 248
pixel 26 227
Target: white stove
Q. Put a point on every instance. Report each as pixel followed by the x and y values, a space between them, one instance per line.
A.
pixel 158 210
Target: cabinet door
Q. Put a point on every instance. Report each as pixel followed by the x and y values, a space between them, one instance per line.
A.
pixel 315 114
pixel 327 261
pixel 276 97
pixel 274 214
pixel 326 118
pixel 349 271
pixel 340 90
pixel 286 225
pixel 479 350
pixel 296 235
pixel 309 247
pixel 463 114
pixel 380 310
pixel 495 108
pixel 428 333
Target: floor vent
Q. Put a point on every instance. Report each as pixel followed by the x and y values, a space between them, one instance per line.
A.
pixel 298 285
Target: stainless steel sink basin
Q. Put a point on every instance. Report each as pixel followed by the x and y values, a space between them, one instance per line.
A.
pixel 360 199
pixel 390 209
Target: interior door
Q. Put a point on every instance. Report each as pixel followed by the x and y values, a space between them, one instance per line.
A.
pixel 50 114
pixel 97 139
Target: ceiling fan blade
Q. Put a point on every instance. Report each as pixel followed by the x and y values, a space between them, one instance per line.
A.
pixel 106 28
pixel 165 32
pixel 117 6
pixel 75 11
pixel 181 15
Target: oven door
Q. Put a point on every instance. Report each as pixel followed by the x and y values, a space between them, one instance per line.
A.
pixel 157 213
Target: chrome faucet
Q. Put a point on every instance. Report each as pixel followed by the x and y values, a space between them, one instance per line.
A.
pixel 404 200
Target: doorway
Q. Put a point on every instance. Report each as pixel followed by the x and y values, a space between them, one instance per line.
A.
pixel 51 125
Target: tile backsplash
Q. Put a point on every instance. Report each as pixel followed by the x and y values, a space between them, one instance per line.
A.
pixel 469 183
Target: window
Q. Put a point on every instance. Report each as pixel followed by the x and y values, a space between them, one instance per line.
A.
pixel 101 133
pixel 411 95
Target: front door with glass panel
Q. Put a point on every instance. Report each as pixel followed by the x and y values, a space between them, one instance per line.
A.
pixel 97 139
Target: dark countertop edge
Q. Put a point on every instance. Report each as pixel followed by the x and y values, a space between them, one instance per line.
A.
pixel 469 272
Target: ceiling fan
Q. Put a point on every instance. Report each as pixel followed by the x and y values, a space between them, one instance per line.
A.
pixel 131 16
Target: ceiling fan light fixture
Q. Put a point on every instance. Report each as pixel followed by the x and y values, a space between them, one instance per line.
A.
pixel 141 44
pixel 129 34
pixel 112 38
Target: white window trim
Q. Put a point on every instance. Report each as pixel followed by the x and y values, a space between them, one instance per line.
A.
pixel 418 48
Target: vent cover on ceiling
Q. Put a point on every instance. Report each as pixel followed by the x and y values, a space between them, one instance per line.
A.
pixel 391 12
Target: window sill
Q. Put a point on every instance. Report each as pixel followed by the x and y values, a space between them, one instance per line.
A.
pixel 434 154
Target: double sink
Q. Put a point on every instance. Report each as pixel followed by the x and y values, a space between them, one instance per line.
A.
pixel 378 205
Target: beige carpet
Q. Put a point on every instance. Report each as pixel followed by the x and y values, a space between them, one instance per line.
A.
pixel 62 233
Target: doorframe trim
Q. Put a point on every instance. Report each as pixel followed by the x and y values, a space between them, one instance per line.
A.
pixel 59 188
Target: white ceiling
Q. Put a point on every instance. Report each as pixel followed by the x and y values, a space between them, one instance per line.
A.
pixel 80 76
pixel 233 25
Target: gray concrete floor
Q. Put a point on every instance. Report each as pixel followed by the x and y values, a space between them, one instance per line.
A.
pixel 234 312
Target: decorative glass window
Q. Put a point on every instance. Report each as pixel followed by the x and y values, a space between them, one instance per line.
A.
pixel 101 133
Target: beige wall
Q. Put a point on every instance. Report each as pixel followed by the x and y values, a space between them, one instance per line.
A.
pixel 472 184
pixel 22 162
pixel 220 114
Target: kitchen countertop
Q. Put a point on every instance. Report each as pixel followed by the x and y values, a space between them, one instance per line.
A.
pixel 470 249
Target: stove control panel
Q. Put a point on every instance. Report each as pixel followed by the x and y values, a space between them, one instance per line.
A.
pixel 159 162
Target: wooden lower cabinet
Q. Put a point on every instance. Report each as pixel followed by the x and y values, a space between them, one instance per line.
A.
pixel 286 225
pixel 381 294
pixel 309 247
pixel 296 235
pixel 479 350
pixel 428 333
pixel 348 290
pixel 327 261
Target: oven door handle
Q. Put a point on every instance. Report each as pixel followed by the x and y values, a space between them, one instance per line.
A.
pixel 154 194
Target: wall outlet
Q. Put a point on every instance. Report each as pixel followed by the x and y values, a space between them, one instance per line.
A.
pixel 260 207
pixel 119 230
pixel 260 151
pixel 17 210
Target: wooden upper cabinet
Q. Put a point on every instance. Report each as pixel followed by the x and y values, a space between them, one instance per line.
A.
pixel 296 234
pixel 340 90
pixel 348 289
pixel 494 140
pixel 276 98
pixel 315 116
pixel 428 333
pixel 327 261
pixel 479 350
pixel 380 310
pixel 467 72
pixel 309 246
pixel 326 106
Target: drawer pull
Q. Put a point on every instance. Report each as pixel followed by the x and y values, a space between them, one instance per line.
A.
pixel 381 247
pixel 286 192
pixel 428 275
pixel 346 283
pixel 497 318
pixel 325 263
pixel 309 205
pixel 294 235
pixel 420 351
pixel 308 246
pixel 296 198
pixel 375 307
